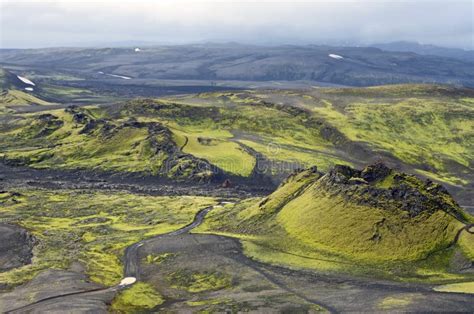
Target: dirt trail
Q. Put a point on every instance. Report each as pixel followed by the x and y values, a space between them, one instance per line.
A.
pixel 131 267
pixel 186 140
pixel 53 299
pixel 318 289
pixel 132 264
pixel 466 228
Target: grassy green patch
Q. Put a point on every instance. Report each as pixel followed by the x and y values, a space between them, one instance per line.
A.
pixel 277 152
pixel 158 259
pixel 16 98
pixel 196 282
pixel 466 242
pixel 207 302
pixel 91 227
pixel 463 287
pixel 396 302
pixel 328 222
pixel 222 153
pixel 429 132
pixel 140 297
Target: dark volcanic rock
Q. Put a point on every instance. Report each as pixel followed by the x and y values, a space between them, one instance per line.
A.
pixel 91 125
pixel 377 171
pixel 78 116
pixel 379 186
pixel 342 174
pixel 16 246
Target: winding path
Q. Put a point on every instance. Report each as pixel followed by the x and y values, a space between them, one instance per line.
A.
pixel 131 264
pixel 466 228
pixel 186 140
pixel 269 272
pixel 132 268
pixel 131 261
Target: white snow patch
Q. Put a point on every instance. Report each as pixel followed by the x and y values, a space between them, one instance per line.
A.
pixel 137 50
pixel 120 76
pixel 30 89
pixel 334 56
pixel 25 80
pixel 128 281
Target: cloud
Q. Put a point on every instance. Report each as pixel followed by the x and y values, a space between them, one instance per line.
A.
pixel 38 23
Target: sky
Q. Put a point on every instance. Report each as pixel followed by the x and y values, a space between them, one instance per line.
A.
pixel 43 23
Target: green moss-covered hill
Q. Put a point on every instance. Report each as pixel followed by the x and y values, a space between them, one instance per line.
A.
pixel 422 129
pixel 75 138
pixel 426 130
pixel 372 216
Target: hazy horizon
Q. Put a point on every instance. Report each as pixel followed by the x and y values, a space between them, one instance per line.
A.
pixel 37 24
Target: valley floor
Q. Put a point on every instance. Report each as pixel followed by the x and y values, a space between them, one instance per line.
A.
pixel 26 177
pixel 179 271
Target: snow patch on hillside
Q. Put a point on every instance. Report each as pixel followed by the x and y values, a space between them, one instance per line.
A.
pixel 25 80
pixel 120 76
pixel 334 56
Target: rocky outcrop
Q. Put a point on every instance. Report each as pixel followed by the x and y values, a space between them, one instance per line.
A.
pixel 378 185
pixel 16 245
pixel 78 116
pixel 176 164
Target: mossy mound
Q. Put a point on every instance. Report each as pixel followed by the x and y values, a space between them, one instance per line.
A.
pixel 196 282
pixel 140 296
pixel 79 138
pixel 372 215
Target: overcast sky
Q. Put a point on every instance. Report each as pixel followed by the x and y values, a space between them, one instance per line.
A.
pixel 40 23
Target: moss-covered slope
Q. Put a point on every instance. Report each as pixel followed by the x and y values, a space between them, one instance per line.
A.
pixel 368 216
pixel 78 138
pixel 422 129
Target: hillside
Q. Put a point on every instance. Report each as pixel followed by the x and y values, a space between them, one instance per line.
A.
pixel 376 216
pixel 352 66
pixel 74 138
pixel 259 135
pixel 22 89
pixel 17 91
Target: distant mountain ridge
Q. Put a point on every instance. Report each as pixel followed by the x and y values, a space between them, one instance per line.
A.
pixel 422 49
pixel 351 66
